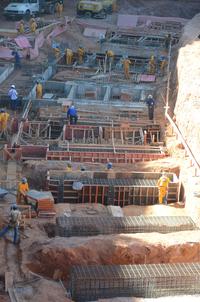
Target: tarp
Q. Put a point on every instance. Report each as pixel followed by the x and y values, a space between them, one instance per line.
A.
pixel 94 32
pixel 39 41
pixel 22 42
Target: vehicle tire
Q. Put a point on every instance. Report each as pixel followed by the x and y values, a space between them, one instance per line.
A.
pixel 27 14
pixel 88 15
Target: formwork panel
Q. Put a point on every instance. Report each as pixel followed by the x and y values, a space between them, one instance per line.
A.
pixel 90 283
pixel 90 226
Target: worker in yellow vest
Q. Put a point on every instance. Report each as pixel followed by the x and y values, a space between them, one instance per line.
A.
pixel 152 65
pixel 38 90
pixel 4 117
pixel 81 53
pixel 162 184
pixel 32 25
pixel 59 8
pixel 126 65
pixel 68 56
pixel 21 27
pixel 23 188
pixel 110 55
pixel 57 52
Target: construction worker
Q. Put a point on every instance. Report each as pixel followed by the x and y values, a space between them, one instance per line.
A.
pixel 57 52
pixel 17 57
pixel 38 90
pixel 59 8
pixel 4 117
pixel 68 56
pixel 162 184
pixel 72 115
pixel 126 65
pixel 114 6
pixel 110 55
pixel 21 27
pixel 69 167
pixel 163 65
pixel 14 222
pixel 12 93
pixel 109 166
pixel 167 41
pixel 32 25
pixel 151 104
pixel 23 188
pixel 81 53
pixel 152 65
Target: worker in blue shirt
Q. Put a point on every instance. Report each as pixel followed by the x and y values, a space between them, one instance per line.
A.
pixel 72 115
pixel 17 57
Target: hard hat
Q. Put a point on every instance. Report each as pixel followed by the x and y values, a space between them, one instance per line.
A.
pixel 14 207
pixel 13 86
pixel 109 166
pixel 72 106
pixel 24 180
pixel 150 96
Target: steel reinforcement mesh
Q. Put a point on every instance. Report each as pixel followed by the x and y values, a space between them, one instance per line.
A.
pixel 90 226
pixel 90 283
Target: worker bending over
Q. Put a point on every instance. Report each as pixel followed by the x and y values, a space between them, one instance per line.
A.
pixel 152 65
pixel 21 27
pixel 23 188
pixel 4 117
pixel 59 8
pixel 162 184
pixel 38 90
pixel 72 115
pixel 126 65
pixel 151 104
pixel 14 222
pixel 81 53
pixel 68 56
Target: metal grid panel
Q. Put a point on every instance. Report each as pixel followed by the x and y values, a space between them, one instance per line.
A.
pixel 90 283
pixel 90 226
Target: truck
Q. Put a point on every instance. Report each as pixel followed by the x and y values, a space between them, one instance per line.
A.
pixel 95 8
pixel 25 8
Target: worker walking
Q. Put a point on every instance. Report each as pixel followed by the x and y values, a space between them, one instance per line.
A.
pixel 81 53
pixel 59 8
pixel 152 65
pixel 162 184
pixel 72 115
pixel 68 56
pixel 23 188
pixel 38 90
pixel 126 65
pixel 21 27
pixel 13 95
pixel 17 57
pixel 4 117
pixel 151 104
pixel 14 222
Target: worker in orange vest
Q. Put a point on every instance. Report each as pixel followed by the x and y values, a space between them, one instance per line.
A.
pixel 162 184
pixel 59 8
pixel 23 188
pixel 4 117
pixel 126 65
pixel 38 90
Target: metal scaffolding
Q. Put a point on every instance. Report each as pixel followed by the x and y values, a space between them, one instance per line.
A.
pixel 91 226
pixel 90 283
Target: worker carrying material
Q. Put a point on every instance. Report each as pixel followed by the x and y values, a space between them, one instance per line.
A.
pixel 151 104
pixel 81 53
pixel 59 8
pixel 38 90
pixel 72 115
pixel 14 222
pixel 4 117
pixel 126 65
pixel 162 184
pixel 68 56
pixel 23 188
pixel 152 65
pixel 21 27
pixel 13 95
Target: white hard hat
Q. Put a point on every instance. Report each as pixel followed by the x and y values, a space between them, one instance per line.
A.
pixel 72 106
pixel 12 86
pixel 150 96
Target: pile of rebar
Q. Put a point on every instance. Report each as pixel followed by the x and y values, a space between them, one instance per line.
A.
pixel 91 226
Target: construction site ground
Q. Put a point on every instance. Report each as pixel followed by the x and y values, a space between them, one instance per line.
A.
pixel 41 263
